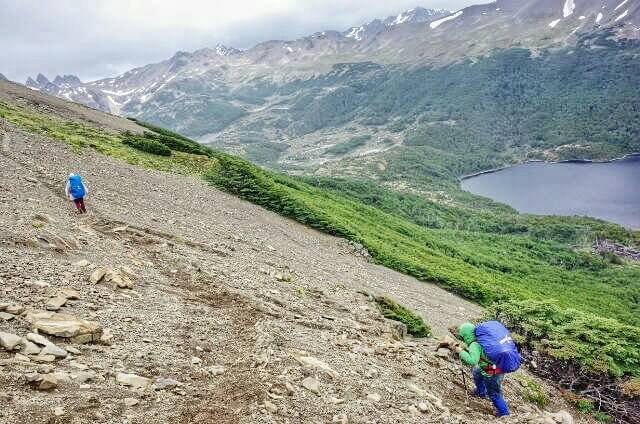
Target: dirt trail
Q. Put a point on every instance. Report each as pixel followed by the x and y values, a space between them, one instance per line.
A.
pixel 208 309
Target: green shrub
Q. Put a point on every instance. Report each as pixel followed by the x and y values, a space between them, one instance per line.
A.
pixel 602 417
pixel 599 345
pixel 585 405
pixel 391 310
pixel 346 147
pixel 146 145
pixel 534 393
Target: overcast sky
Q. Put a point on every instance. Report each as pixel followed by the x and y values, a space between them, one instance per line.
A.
pixel 101 38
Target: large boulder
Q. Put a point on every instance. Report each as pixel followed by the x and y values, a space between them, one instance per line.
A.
pixel 66 326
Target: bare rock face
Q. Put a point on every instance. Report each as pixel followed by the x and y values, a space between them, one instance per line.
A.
pixel 66 326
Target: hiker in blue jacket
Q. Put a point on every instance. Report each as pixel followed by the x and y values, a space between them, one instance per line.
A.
pixel 486 374
pixel 76 190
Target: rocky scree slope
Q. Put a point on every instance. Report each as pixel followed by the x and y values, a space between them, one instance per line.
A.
pixel 173 302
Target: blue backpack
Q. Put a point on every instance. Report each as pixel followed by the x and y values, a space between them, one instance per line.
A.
pixel 76 187
pixel 499 347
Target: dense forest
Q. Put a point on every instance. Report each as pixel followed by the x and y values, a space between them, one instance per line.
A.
pixel 508 106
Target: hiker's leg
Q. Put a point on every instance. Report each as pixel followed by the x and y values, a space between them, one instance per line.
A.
pixel 478 378
pixel 494 387
pixel 82 207
pixel 77 203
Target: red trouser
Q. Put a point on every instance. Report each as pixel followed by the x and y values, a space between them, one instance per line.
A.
pixel 80 205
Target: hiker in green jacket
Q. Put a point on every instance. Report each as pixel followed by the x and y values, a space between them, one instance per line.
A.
pixel 487 381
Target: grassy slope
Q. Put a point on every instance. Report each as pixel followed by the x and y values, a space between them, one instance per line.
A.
pixel 481 265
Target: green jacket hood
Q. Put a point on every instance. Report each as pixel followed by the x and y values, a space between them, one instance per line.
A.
pixel 467 332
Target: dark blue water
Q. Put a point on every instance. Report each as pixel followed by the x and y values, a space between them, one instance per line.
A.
pixel 610 191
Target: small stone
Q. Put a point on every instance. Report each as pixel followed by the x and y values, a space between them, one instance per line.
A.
pixel 423 407
pixel 14 309
pixel 32 377
pixel 10 341
pixel 166 383
pixel 315 363
pixel 48 382
pixel 81 264
pixel 290 388
pixel 132 380
pixel 270 406
pixel 335 401
pixel 129 402
pixel 340 418
pixel 413 410
pixel 371 373
pixel 216 370
pixel 21 358
pixel 374 397
pixel 58 412
pixel 43 358
pixel 45 369
pixel 78 365
pixel 561 417
pixel 107 337
pixel 4 316
pixel 55 303
pixel 97 275
pixel 30 348
pixel 82 377
pixel 38 339
pixel 69 293
pixel 311 384
pixel 54 350
pixel 73 350
pixel 443 352
pixel 196 361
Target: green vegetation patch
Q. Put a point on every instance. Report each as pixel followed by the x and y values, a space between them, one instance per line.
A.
pixel 145 144
pixel 596 314
pixel 352 144
pixel 597 343
pixel 533 392
pixel 392 310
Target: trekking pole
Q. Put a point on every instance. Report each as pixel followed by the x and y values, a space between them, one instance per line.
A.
pixel 464 381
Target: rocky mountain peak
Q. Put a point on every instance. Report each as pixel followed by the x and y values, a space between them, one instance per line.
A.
pixel 415 15
pixel 70 80
pixel 223 50
pixel 411 16
pixel 42 80
pixel 3 78
pixel 31 83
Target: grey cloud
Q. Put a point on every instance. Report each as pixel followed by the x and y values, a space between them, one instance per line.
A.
pixel 75 37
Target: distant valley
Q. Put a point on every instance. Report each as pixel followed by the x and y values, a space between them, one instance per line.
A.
pixel 414 100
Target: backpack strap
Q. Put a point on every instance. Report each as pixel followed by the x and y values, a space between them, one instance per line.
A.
pixel 490 368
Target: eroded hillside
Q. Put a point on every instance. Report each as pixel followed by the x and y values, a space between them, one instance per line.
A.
pixel 199 307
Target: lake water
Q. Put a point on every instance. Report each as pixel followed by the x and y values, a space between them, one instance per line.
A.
pixel 610 191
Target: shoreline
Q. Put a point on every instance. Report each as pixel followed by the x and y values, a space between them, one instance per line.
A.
pixel 585 161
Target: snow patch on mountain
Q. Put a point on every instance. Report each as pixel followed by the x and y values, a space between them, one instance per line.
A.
pixel 624 14
pixel 403 17
pixel 620 5
pixel 436 24
pixel 356 33
pixel 553 24
pixel 569 7
pixel 599 17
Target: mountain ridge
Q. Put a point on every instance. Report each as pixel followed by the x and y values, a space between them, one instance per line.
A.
pixel 299 104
